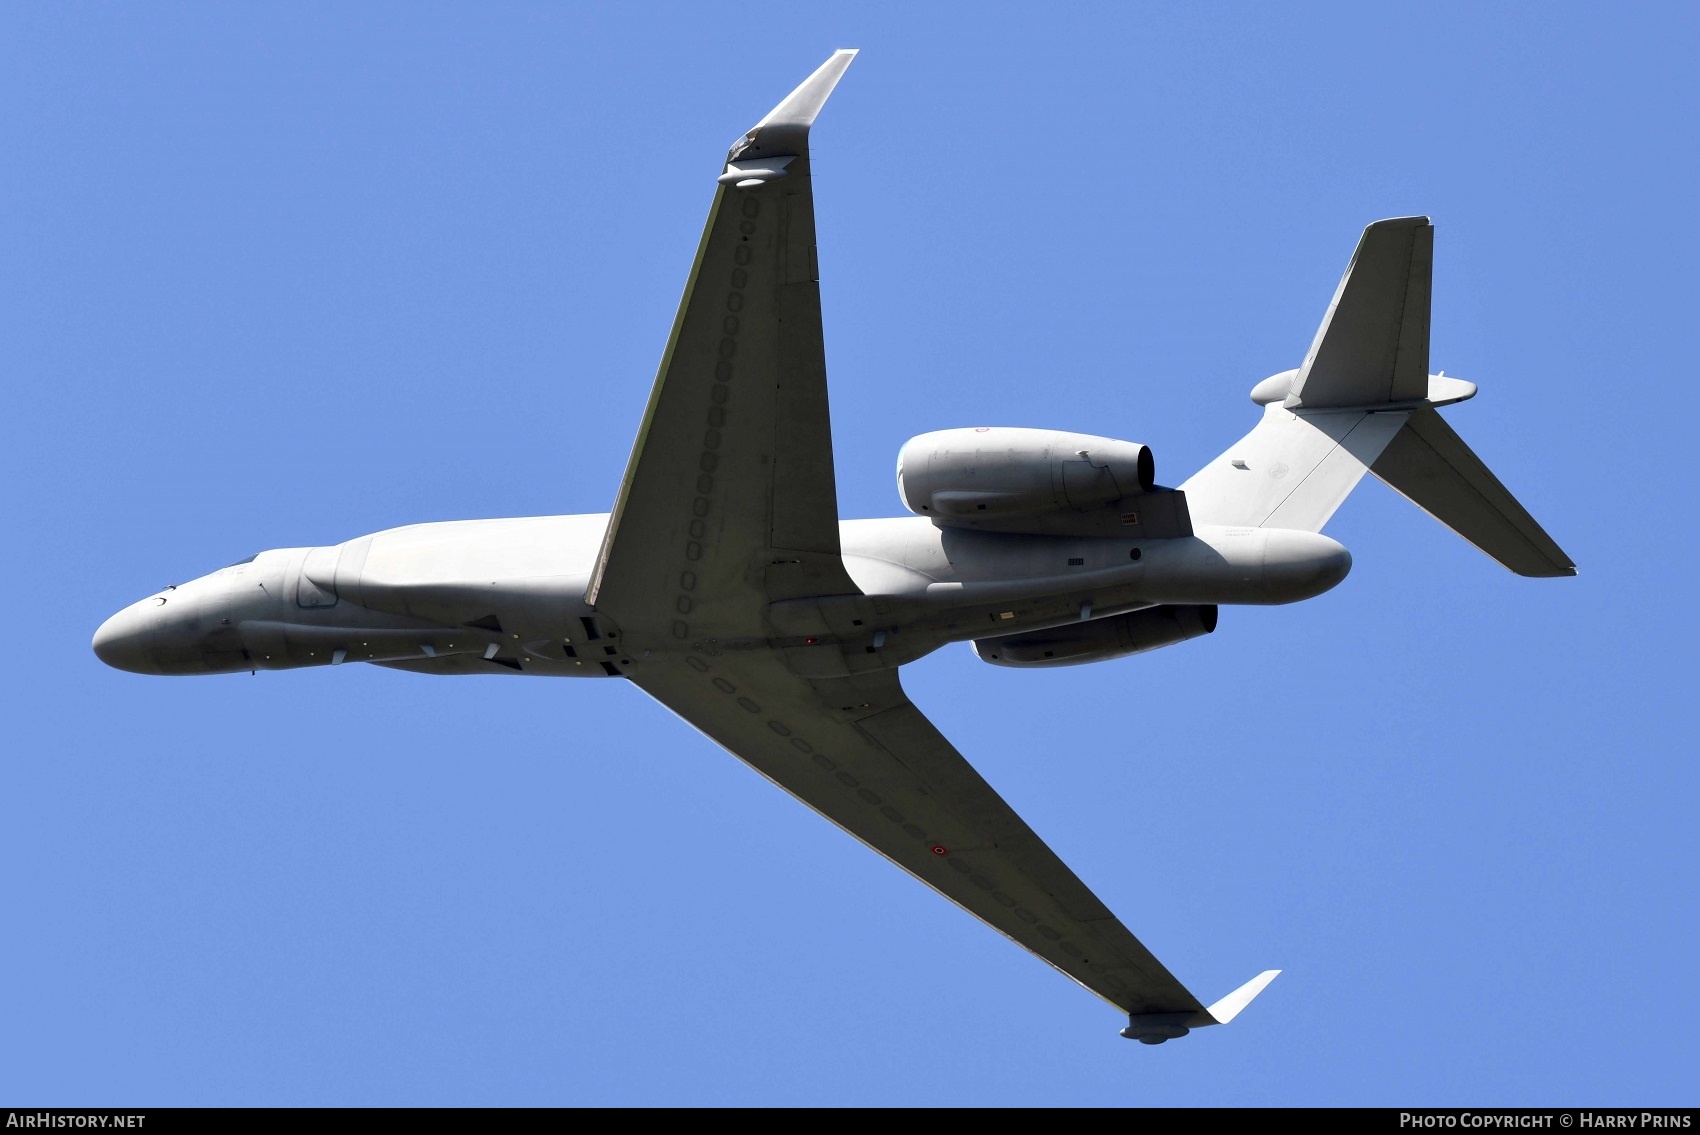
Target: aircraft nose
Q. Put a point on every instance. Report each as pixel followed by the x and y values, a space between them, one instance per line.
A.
pixel 122 641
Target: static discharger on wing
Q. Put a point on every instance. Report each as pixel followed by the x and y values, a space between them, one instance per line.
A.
pixel 724 584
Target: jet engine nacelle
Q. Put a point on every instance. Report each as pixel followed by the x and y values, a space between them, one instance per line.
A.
pixel 1099 639
pixel 998 477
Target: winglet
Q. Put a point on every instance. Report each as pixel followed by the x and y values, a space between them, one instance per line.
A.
pixel 1229 1007
pixel 1155 1028
pixel 802 105
pixel 785 130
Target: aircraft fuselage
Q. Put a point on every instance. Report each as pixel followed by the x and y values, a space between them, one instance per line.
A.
pixel 507 596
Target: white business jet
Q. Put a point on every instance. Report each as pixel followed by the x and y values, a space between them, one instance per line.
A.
pixel 725 585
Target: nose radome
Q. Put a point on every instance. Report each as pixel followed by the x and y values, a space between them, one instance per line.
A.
pixel 121 641
pixel 1299 565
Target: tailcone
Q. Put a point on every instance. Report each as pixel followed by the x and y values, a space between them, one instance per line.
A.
pixel 1301 565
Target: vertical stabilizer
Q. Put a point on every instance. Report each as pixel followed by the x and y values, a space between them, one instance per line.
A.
pixel 1372 347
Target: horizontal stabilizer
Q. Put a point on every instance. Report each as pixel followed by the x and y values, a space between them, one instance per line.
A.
pixel 1372 347
pixel 1429 464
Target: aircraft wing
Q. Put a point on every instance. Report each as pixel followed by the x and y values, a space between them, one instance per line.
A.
pixel 729 501
pixel 724 539
pixel 856 750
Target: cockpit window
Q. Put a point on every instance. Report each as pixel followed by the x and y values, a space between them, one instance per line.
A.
pixel 249 560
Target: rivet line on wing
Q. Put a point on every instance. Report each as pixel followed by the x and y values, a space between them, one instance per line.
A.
pixel 719 393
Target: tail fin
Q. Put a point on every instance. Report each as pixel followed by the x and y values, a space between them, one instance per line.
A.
pixel 1364 402
pixel 1372 347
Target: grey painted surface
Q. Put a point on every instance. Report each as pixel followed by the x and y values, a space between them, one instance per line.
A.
pixel 725 585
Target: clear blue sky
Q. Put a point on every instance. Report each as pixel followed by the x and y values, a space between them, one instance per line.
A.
pixel 274 276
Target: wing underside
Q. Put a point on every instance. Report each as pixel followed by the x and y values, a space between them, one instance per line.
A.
pixel 857 751
pixel 731 476
pixel 728 512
